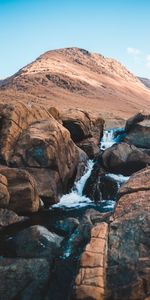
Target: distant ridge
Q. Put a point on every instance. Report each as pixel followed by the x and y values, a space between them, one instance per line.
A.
pixel 145 81
pixel 74 77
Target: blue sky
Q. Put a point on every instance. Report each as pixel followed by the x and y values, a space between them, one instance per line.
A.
pixel 114 28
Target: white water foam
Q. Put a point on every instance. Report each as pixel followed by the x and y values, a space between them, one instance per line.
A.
pixel 110 138
pixel 75 198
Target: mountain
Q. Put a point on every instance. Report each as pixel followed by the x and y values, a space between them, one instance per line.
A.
pixel 74 77
pixel 145 81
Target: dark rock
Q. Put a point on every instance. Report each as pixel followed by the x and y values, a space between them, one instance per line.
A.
pixel 139 136
pixel 67 225
pixel 139 117
pixel 23 279
pixel 90 146
pixel 129 245
pixel 36 241
pixel 124 159
pixel 100 186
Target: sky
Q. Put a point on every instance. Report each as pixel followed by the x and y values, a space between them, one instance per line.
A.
pixel 113 28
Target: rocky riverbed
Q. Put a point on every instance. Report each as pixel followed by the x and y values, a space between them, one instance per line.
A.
pixel 74 206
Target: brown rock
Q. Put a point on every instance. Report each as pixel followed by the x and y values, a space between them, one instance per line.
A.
pixel 22 190
pixel 49 154
pixel 129 248
pixel 90 281
pixel 14 119
pixel 90 146
pixel 4 194
pixel 8 217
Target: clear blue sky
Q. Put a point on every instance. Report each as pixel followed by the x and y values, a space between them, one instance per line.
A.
pixel 114 28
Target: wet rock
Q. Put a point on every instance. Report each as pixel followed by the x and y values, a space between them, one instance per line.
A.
pixel 82 165
pixel 139 136
pixel 129 248
pixel 4 194
pixel 100 186
pixel 8 217
pixel 36 241
pixel 124 159
pixel 90 280
pixel 67 226
pixel 22 190
pixel 23 279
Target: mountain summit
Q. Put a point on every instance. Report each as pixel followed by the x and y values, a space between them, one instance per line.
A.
pixel 74 77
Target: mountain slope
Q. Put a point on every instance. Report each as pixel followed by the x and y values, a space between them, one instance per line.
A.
pixel 145 81
pixel 74 77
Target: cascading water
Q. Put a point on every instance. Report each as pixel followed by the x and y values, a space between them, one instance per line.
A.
pixel 75 199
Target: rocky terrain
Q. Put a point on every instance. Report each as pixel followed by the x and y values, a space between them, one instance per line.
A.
pixel 76 78
pixel 97 249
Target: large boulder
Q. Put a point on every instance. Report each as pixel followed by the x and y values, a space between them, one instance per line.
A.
pixel 134 120
pixel 129 245
pixel 86 130
pixel 32 138
pixel 23 279
pixel 4 194
pixel 124 159
pixel 139 136
pixel 49 154
pixel 14 118
pixel 90 280
pixel 22 190
pixel 36 241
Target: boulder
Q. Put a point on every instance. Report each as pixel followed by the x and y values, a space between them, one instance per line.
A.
pixel 139 136
pixel 9 217
pixel 32 138
pixel 78 123
pixel 129 246
pixel 23 279
pixel 124 159
pixel 90 280
pixel 137 118
pixel 90 146
pixel 22 190
pixel 4 194
pixel 36 242
pixel 14 118
pixel 99 186
pixel 46 150
pixel 67 226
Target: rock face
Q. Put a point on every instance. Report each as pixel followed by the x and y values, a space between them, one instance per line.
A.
pixel 90 281
pixel 31 138
pixel 22 190
pixel 129 251
pixel 124 159
pixel 23 278
pixel 36 242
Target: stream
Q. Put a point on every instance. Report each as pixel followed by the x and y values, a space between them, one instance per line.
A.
pixel 72 205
